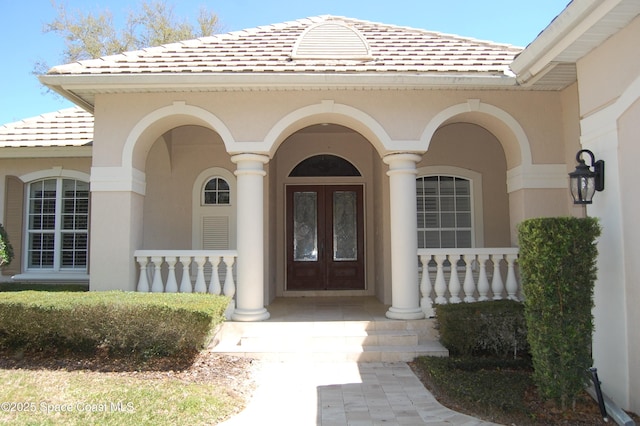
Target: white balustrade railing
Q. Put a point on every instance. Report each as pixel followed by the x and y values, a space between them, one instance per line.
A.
pixel 468 275
pixel 199 271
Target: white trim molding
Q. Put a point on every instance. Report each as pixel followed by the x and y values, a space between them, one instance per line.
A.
pixel 200 211
pixel 477 207
pixel 55 172
pixel 537 176
pixel 337 113
pixel 47 152
pixel 520 138
pixel 118 179
pixel 193 115
pixel 51 276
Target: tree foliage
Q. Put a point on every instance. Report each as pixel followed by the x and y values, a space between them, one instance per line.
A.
pixel 6 250
pixel 89 35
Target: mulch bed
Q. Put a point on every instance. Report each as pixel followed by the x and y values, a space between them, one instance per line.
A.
pixel 539 412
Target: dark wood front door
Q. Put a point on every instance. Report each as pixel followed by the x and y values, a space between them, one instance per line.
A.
pixel 325 237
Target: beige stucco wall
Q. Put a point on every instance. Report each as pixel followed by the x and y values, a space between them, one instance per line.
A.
pixel 403 115
pixel 171 137
pixel 607 72
pixel 173 163
pixel 571 129
pixel 609 89
pixel 116 232
pixel 472 147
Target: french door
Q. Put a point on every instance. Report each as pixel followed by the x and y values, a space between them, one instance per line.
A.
pixel 325 237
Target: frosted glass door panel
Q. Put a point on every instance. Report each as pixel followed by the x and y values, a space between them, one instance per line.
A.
pixel 305 226
pixel 345 226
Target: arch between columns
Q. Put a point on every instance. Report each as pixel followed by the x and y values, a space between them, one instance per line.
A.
pixel 507 130
pixel 156 123
pixel 330 112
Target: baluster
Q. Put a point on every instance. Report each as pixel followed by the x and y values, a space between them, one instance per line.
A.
pixel 483 281
pixel 425 288
pixel 157 286
pixel 441 284
pixel 143 281
pixel 512 283
pixel 185 282
pixel 454 280
pixel 229 285
pixel 214 285
pixel 201 285
pixel 172 284
pixel 469 285
pixel 229 288
pixel 497 287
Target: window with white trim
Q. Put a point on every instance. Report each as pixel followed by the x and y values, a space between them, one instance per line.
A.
pixel 445 216
pixel 213 210
pixel 57 225
pixel 216 192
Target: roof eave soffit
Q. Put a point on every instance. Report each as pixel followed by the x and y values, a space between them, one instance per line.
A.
pixel 557 44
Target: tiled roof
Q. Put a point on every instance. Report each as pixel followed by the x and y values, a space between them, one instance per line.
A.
pixel 67 127
pixel 271 49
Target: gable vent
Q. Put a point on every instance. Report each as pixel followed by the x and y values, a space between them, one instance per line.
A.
pixel 332 40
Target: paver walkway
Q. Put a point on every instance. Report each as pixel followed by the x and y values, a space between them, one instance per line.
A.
pixel 301 393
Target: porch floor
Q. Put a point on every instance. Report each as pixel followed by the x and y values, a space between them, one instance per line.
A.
pixel 312 309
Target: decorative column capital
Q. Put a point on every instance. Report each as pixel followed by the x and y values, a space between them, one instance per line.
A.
pixel 249 163
pixel 403 162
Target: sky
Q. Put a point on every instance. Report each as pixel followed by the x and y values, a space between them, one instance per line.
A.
pixel 24 42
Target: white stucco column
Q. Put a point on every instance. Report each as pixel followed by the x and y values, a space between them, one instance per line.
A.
pixel 405 295
pixel 250 238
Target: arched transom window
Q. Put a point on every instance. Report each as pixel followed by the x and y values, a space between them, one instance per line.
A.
pixel 216 192
pixel 324 165
pixel 445 216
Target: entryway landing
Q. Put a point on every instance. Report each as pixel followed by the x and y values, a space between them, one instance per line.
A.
pixel 331 329
pixel 295 309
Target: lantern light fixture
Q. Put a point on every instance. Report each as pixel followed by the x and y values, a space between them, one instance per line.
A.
pixel 585 180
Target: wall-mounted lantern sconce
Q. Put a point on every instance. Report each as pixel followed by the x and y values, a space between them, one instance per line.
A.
pixel 584 182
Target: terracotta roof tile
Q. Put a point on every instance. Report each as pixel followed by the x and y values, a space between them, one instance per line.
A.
pixel 67 127
pixel 270 49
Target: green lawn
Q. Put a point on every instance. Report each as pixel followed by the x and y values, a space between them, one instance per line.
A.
pixel 46 397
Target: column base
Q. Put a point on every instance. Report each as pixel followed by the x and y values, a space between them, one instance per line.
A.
pixel 404 314
pixel 250 315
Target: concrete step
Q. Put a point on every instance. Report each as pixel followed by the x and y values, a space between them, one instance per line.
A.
pixel 363 341
pixel 340 354
pixel 319 341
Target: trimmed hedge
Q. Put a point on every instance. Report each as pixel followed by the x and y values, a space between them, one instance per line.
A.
pixel 558 268
pixel 134 324
pixel 494 328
